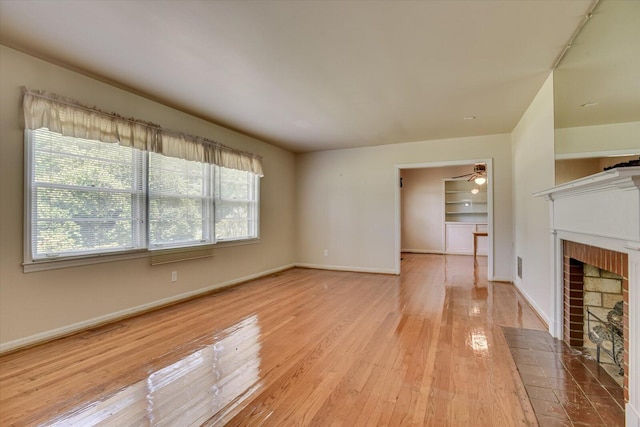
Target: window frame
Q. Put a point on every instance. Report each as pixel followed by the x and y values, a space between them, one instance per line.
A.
pixel 63 261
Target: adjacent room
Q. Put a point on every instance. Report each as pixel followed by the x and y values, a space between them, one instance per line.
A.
pixel 274 212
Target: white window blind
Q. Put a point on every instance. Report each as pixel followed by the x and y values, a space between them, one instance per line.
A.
pixel 180 202
pixel 86 196
pixel 236 204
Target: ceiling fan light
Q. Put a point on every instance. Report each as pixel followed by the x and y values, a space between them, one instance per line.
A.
pixel 475 191
pixel 480 180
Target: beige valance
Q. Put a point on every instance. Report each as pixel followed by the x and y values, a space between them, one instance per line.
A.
pixel 70 118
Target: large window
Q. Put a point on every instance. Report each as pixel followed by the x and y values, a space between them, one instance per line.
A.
pixel 88 197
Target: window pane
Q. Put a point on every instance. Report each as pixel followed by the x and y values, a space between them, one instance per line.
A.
pixel 236 205
pixel 180 201
pixel 72 221
pixel 86 196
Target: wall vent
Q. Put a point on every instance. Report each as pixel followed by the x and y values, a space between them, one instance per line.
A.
pixel 520 267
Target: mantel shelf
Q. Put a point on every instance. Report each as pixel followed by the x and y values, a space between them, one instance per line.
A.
pixel 621 178
pixel 599 210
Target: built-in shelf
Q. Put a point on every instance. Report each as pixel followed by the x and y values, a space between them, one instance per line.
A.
pixel 461 205
pixel 465 213
pixel 462 202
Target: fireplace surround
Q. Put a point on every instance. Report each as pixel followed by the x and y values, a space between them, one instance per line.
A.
pixel 574 318
pixel 596 220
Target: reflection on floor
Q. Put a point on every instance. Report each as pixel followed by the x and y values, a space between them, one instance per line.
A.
pixel 565 387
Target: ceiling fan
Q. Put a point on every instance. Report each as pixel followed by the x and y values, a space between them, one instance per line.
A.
pixel 479 174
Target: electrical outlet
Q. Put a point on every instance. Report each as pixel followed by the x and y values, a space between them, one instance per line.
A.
pixel 174 276
pixel 326 252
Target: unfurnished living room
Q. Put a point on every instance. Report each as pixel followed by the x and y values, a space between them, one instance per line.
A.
pixel 320 213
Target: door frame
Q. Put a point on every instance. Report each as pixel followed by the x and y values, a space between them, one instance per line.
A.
pixel 425 165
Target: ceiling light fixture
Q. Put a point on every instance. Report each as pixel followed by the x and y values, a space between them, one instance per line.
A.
pixel 480 180
pixel 475 191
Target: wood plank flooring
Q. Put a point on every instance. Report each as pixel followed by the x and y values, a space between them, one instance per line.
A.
pixel 303 347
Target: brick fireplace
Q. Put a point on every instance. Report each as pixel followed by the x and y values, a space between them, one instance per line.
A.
pixel 575 255
pixel 596 220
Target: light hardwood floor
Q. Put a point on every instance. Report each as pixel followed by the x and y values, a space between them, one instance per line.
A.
pixel 303 347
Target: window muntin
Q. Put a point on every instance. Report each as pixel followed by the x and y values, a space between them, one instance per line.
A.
pixel 87 197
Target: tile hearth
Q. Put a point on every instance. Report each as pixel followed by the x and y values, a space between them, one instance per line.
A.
pixel 565 387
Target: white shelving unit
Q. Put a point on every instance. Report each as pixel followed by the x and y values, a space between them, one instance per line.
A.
pixel 464 213
pixel 460 205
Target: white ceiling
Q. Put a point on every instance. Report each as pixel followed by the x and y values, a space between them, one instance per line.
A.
pixel 313 75
pixel 602 67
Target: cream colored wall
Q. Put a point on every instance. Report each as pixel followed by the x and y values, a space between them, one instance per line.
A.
pixel 570 169
pixel 34 305
pixel 533 170
pixel 346 200
pixel 422 207
pixel 598 138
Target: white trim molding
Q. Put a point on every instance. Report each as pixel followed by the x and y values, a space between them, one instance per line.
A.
pixel 348 268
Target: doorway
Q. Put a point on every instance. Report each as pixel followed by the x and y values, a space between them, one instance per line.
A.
pixel 427 212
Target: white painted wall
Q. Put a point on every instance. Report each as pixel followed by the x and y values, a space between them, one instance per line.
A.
pixel 346 200
pixel 570 169
pixel 422 208
pixel 534 170
pixel 598 138
pixel 35 305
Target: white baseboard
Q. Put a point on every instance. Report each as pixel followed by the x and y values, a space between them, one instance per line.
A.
pixel 100 320
pixel 464 253
pixel 501 279
pixel 348 268
pixel 533 304
pixel 422 251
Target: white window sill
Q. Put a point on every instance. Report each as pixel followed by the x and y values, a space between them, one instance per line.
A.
pixel 54 264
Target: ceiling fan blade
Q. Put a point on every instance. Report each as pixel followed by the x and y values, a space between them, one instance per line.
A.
pixel 462 176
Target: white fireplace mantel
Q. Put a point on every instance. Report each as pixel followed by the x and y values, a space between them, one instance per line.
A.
pixel 601 210
pixel 604 205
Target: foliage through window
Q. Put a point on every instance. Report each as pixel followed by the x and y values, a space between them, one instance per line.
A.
pixel 88 197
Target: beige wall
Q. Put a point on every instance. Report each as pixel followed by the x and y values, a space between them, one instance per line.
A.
pixel 346 201
pixel 598 138
pixel 570 169
pixel 422 207
pixel 533 170
pixel 35 305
